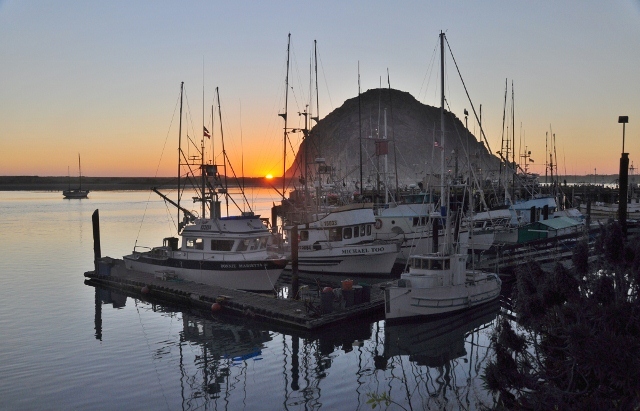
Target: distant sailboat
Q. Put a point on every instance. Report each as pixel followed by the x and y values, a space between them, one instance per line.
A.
pixel 76 192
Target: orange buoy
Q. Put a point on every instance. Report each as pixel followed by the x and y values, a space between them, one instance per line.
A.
pixel 216 307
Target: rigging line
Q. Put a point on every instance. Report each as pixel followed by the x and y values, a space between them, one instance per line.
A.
pixel 146 337
pixel 468 96
pixel 324 76
pixel 428 74
pixel 164 146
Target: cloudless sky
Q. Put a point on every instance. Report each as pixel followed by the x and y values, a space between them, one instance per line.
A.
pixel 103 78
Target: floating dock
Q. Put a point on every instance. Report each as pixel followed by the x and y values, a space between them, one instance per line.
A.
pixel 309 312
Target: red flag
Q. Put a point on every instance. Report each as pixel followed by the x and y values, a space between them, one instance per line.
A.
pixel 206 132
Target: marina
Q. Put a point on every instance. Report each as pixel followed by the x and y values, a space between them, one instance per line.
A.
pixel 105 347
pixel 310 311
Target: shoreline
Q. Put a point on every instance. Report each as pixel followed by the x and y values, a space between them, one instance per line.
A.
pixel 37 183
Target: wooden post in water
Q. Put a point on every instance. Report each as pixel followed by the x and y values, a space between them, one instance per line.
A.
pixel 624 191
pixel 294 262
pixel 97 253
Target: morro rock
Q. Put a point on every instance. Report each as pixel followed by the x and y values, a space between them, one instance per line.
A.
pixel 413 146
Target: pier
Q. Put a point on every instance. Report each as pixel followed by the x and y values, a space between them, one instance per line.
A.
pixel 308 312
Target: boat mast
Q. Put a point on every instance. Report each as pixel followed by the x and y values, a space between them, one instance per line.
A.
pixel 444 195
pixel 224 155
pixel 202 159
pixel 80 171
pixel 360 131
pixel 180 151
pixel 284 116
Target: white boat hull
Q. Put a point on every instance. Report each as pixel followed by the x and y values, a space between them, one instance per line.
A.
pixel 402 301
pixel 258 275
pixel 366 260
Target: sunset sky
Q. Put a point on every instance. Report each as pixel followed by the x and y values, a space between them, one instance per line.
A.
pixel 103 78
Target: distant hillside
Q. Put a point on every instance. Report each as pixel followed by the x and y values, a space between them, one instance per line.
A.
pixel 412 128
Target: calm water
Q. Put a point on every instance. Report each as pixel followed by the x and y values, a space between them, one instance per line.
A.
pixel 66 345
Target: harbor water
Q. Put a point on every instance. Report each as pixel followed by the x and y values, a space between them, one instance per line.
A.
pixel 67 345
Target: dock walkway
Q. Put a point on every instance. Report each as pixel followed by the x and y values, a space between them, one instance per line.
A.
pixel 305 313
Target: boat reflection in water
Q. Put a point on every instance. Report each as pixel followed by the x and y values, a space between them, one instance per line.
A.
pixel 216 361
pixel 444 371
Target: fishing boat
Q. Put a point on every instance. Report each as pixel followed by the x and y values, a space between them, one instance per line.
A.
pixel 71 193
pixel 230 252
pixel 341 241
pixel 439 282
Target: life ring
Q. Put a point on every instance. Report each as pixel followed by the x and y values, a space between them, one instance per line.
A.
pixel 378 223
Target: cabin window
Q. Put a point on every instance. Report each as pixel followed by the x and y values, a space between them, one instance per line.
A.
pixel 347 233
pixel 423 220
pixel 356 232
pixel 416 221
pixel 248 244
pixel 195 244
pixel 368 229
pixel 447 264
pixel 335 234
pixel 263 243
pixel 362 230
pixel 436 264
pixel 304 235
pixel 221 245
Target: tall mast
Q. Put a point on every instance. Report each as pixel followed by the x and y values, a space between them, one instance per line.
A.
pixel 224 154
pixel 180 151
pixel 513 145
pixel 284 116
pixel 80 171
pixel 442 109
pixel 360 130
pixel 202 159
pixel 444 194
pixel 395 162
pixel 315 53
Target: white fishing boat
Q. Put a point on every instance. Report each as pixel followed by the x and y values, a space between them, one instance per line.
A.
pixel 229 251
pixel 341 241
pixel 72 193
pixel 439 282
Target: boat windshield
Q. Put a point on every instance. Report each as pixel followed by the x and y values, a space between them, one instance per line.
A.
pixel 252 244
pixel 431 263
pixel 221 245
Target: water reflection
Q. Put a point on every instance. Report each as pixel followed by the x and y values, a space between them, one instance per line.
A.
pixel 232 363
pixel 437 351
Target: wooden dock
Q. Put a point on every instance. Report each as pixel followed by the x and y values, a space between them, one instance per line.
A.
pixel 305 313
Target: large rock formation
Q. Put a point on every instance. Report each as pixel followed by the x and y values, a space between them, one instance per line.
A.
pixel 412 129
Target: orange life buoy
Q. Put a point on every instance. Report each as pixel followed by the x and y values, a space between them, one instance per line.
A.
pixel 378 223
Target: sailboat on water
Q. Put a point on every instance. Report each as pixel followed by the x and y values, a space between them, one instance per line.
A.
pixel 76 192
pixel 439 282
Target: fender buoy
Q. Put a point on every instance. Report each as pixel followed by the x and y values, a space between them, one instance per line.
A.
pixel 378 223
pixel 145 289
pixel 216 307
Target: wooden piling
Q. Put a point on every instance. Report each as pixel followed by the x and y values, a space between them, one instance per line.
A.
pixel 97 253
pixel 295 281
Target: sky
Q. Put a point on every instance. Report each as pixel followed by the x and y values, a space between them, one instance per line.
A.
pixel 102 79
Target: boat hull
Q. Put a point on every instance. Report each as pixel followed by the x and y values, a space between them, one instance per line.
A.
pixel 258 275
pixel 402 301
pixel 78 193
pixel 372 260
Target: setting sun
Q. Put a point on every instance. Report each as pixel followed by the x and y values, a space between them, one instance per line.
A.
pixel 269 176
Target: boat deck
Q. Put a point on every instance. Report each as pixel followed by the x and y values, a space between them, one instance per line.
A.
pixel 304 313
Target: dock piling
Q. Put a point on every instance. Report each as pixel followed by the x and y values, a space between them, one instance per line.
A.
pixel 97 253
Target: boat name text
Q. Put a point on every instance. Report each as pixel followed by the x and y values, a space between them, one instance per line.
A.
pixel 329 223
pixel 242 265
pixel 363 250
